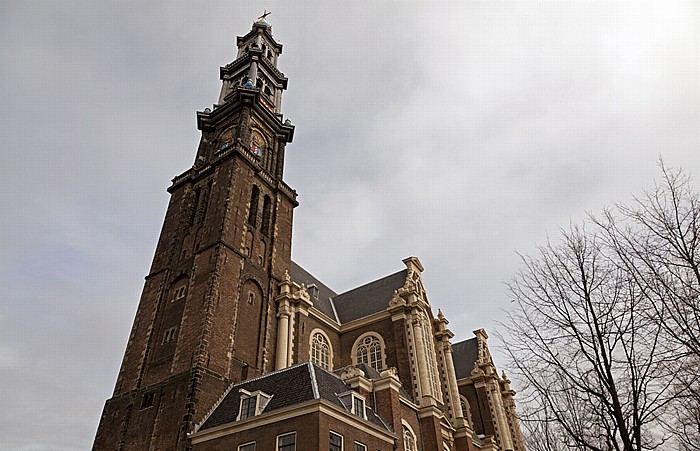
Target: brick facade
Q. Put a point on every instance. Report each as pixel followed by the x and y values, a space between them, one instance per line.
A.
pixel 223 303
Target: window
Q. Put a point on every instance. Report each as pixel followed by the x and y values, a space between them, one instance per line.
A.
pixel 251 297
pixel 368 350
pixel 169 335
pixel 409 440
pixel 360 447
pixel 267 202
pixel 179 293
pixel 358 406
pixel 321 351
pixel 148 400
pixel 247 408
pixel 252 403
pixel 287 442
pixel 247 447
pixel 336 442
pixel 354 403
pixel 253 210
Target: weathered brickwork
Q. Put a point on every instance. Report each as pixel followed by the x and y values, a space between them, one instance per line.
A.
pixel 223 303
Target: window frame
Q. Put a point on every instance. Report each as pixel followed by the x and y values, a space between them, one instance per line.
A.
pixel 359 446
pixel 358 345
pixel 260 401
pixel 318 332
pixel 342 441
pixel 354 398
pixel 241 446
pixel 286 434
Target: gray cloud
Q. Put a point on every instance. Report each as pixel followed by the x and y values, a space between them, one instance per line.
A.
pixel 460 133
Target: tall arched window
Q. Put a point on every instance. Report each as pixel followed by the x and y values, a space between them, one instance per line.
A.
pixel 369 349
pixel 266 215
pixel 253 211
pixel 409 440
pixel 321 351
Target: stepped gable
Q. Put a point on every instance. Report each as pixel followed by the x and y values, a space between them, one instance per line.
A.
pixel 465 354
pixel 324 304
pixel 369 298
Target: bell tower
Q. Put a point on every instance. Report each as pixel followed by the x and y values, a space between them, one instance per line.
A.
pixel 207 315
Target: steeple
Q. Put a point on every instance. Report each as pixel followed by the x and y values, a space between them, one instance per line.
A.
pixel 248 114
pixel 207 315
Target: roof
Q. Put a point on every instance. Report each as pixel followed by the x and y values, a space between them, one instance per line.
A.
pixel 368 299
pixel 464 355
pixel 324 304
pixel 354 304
pixel 290 386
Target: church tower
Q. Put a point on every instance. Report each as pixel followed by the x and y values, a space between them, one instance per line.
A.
pixel 207 315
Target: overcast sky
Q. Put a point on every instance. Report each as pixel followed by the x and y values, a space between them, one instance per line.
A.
pixel 461 133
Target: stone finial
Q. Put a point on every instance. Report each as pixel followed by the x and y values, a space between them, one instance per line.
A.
pixel 287 277
pixel 413 264
pixel 440 315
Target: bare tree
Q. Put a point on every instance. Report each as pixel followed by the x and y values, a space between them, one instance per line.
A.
pixel 592 357
pixel 605 332
pixel 657 241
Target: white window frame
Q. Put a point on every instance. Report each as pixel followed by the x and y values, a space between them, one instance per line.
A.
pixel 356 444
pixel 353 396
pixel 342 440
pixel 382 350
pixel 284 435
pixel 414 437
pixel 313 334
pixel 240 447
pixel 261 401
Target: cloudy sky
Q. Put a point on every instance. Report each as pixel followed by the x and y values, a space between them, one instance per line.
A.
pixel 461 133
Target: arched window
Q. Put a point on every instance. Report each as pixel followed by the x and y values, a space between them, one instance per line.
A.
pixel 369 350
pixel 253 211
pixel 266 215
pixel 409 439
pixel 321 351
pixel 179 289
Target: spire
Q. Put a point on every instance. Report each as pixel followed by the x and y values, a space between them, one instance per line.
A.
pixel 248 115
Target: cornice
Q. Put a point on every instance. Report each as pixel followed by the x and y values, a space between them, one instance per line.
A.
pixel 288 413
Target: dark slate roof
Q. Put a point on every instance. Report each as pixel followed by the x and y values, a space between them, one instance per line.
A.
pixel 464 355
pixel 294 385
pixel 323 303
pixel 368 299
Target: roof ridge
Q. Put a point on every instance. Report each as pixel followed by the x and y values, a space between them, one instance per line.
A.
pixel 335 312
pixel 314 384
pixel 369 283
pixel 464 341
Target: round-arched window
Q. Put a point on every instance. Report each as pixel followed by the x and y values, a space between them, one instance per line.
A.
pixel 409 440
pixel 369 351
pixel 321 351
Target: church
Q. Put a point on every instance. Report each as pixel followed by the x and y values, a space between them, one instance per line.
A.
pixel 235 346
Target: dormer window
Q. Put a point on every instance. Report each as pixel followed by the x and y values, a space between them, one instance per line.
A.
pixel 252 403
pixel 313 289
pixel 354 403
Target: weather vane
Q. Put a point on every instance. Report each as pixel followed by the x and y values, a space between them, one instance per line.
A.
pixel 265 14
